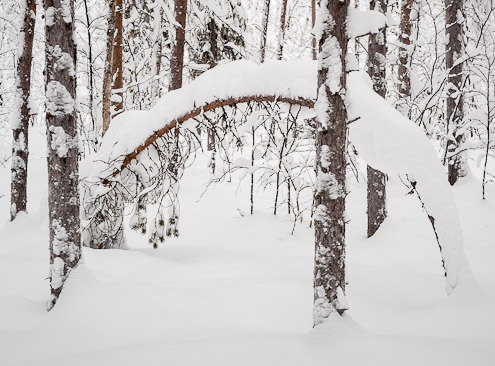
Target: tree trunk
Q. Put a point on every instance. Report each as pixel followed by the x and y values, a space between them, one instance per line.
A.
pixel 63 147
pixel 455 99
pixel 281 38
pixel 177 58
pixel 404 86
pixel 313 21
pixel 264 29
pixel 107 77
pixel 214 53
pixel 329 271
pixel 20 122
pixel 377 53
pixel 117 95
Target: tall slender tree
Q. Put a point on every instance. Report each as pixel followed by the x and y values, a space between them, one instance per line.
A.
pixel 117 95
pixel 329 271
pixel 264 29
pixel 63 147
pixel 108 75
pixel 404 76
pixel 177 59
pixel 20 121
pixel 281 37
pixel 377 53
pixel 454 52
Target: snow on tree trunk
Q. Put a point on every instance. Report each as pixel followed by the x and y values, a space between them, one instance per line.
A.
pixel 117 74
pixel 107 77
pixel 20 118
pixel 177 58
pixel 281 36
pixel 264 30
pixel 454 19
pixel 329 271
pixel 404 86
pixel 377 53
pixel 63 147
pixel 214 54
pixel 313 20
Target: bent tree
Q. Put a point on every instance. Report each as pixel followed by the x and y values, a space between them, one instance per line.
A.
pixel 62 139
pixel 20 120
pixel 331 113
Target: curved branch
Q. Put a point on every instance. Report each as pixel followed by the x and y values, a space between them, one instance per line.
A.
pixel 206 108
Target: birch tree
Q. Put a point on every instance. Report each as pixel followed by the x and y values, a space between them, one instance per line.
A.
pixel 20 120
pixel 377 53
pixel 329 271
pixel 62 139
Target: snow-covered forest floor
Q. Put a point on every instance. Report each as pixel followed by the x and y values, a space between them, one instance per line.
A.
pixel 236 289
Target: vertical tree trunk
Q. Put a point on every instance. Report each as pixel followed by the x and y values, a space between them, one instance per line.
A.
pixel 377 52
pixel 264 29
pixel 454 9
pixel 177 58
pixel 281 38
pixel 329 271
pixel 107 77
pixel 214 52
pixel 62 139
pixel 117 74
pixel 313 20
pixel 90 74
pixel 20 121
pixel 404 86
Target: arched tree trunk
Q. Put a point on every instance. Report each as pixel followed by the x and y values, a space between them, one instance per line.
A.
pixel 377 53
pixel 329 271
pixel 454 10
pixel 62 138
pixel 20 122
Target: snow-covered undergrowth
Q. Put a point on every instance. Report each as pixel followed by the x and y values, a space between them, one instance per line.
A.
pixel 237 290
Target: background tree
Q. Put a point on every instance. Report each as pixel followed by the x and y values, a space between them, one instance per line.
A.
pixel 63 146
pixel 377 58
pixel 454 54
pixel 20 118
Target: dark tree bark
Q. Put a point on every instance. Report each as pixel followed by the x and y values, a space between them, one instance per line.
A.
pixel 329 271
pixel 214 53
pixel 455 99
pixel 177 58
pixel 377 53
pixel 404 86
pixel 264 29
pixel 281 39
pixel 117 95
pixel 20 124
pixel 62 139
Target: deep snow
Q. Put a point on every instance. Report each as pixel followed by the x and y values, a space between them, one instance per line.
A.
pixel 236 290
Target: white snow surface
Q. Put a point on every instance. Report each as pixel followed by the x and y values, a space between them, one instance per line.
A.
pixel 362 22
pixel 238 290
